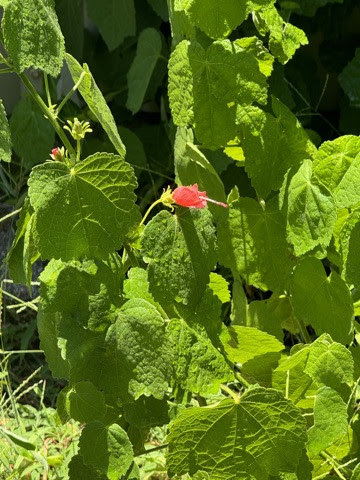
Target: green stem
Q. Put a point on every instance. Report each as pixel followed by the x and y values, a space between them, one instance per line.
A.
pixel 47 112
pixel 149 210
pixel 70 93
pixel 9 215
pixel 232 394
pixel 46 83
pixel 78 150
pixel 304 332
pixel 242 380
pixel 150 450
pixel 6 70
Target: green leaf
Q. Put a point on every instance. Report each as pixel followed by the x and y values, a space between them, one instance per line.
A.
pixel 98 212
pixel 321 301
pixel 252 243
pixel 32 35
pixel 336 166
pixel 147 412
pixel 97 295
pixel 16 252
pixel 198 366
pixel 115 20
pixel 106 448
pixel 329 364
pixel 137 285
pixel 82 402
pixel 347 80
pixel 31 133
pixel 220 287
pixel 245 343
pixel 5 139
pixel 264 316
pixel 71 18
pixel 161 8
pixel 48 333
pixel 238 440
pixel 191 166
pixel 135 153
pixel 349 244
pixel 308 7
pixel 311 212
pixel 147 55
pixel 290 378
pixel 205 318
pixel 19 440
pixel 330 420
pixel 284 38
pixel 223 16
pixel 181 251
pixel 79 471
pixel 282 144
pixel 138 347
pixel 205 91
pixel 95 101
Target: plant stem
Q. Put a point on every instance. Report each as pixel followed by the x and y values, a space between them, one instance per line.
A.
pixel 78 150
pixel 70 93
pixel 242 379
pixel 46 83
pixel 155 449
pixel 48 114
pixel 149 210
pixel 9 215
pixel 304 331
pixel 232 394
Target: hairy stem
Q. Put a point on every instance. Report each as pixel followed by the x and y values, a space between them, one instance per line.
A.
pixel 48 114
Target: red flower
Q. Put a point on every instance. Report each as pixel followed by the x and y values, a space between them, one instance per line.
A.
pixel 54 151
pixel 191 197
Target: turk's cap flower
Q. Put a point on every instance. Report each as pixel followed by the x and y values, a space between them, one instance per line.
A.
pixel 190 196
pixel 58 154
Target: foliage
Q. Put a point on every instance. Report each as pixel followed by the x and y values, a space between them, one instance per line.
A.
pixel 227 335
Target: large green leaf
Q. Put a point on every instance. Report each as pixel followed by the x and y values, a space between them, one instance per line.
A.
pixel 106 448
pixel 71 18
pixel 115 19
pixel 47 327
pixel 31 133
pixel 321 301
pixel 5 140
pixel 220 18
pixel 147 55
pixel 147 412
pixel 198 366
pixel 138 347
pixel 96 297
pixel 238 441
pixel 282 144
pixel 336 166
pixel 307 7
pixel 245 343
pixel 181 251
pixel 290 377
pixel 83 211
pixel 207 86
pixel 311 212
pixel 330 420
pixel 79 471
pixel 329 363
pixel 347 79
pixel 252 243
pixel 349 246
pixel 285 38
pixel 32 35
pixel 95 101
pixel 82 402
